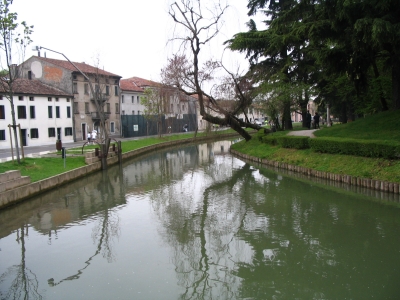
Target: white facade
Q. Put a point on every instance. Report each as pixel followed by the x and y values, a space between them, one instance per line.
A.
pixel 130 103
pixel 41 119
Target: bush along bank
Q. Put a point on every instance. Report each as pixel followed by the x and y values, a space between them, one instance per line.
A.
pixel 366 148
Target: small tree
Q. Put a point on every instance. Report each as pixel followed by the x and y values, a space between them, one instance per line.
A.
pixel 154 104
pixel 14 39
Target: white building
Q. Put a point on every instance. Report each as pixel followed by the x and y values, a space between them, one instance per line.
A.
pixel 44 114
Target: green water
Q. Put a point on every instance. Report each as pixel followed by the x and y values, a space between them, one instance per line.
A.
pixel 197 223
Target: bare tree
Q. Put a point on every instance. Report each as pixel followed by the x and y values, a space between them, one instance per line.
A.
pixel 188 75
pixel 14 39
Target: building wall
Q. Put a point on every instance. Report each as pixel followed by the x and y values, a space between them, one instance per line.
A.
pixel 130 103
pixel 83 107
pixel 40 121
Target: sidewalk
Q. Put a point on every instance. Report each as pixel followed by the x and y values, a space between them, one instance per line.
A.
pixel 309 133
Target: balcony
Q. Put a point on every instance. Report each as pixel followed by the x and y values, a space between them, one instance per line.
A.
pixel 96 116
pixel 100 97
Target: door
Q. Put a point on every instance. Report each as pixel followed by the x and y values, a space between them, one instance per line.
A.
pixel 84 135
pixel 23 137
pixel 59 133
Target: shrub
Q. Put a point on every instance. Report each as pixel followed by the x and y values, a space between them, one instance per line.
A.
pixel 295 142
pixel 367 148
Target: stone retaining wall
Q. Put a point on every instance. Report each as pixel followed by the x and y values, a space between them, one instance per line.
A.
pixel 378 185
pixel 27 190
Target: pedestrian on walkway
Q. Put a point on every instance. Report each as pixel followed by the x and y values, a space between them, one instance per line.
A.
pixel 316 120
pixel 89 137
pixel 94 135
pixel 308 120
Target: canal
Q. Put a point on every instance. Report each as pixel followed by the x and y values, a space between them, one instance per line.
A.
pixel 197 223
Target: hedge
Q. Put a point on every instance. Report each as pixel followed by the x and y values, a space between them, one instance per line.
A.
pixel 366 148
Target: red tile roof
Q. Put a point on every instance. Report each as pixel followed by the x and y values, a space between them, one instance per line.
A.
pixel 136 84
pixel 85 68
pixel 34 87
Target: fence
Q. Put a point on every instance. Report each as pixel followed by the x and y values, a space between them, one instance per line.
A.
pixel 139 125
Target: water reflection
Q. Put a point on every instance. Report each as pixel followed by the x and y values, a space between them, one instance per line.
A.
pixel 196 223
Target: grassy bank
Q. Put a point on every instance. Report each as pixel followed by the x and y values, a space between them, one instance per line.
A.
pixel 383 126
pixel 45 167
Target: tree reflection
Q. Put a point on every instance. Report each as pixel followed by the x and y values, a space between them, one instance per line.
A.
pixel 107 229
pixel 250 233
pixel 25 284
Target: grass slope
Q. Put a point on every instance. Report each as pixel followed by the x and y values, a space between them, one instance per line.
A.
pixel 383 126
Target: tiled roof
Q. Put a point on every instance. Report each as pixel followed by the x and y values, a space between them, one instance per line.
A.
pixel 129 85
pixel 85 68
pixel 136 84
pixel 35 87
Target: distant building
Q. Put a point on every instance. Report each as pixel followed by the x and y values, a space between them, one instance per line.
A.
pixel 177 109
pixel 43 112
pixel 63 75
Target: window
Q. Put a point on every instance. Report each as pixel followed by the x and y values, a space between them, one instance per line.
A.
pixel 76 108
pixel 68 131
pixel 75 88
pixel 86 88
pixel 123 112
pixel 133 99
pixel 49 99
pixel 34 133
pixel 57 99
pixel 20 98
pixel 116 108
pixel 122 99
pixel 50 111
pixel 29 75
pixel 32 113
pixel 108 108
pixel 52 132
pixel 183 107
pixel 107 90
pixel 21 111
pixel 68 112
pixel 31 98
pixel 116 91
pixel 97 88
pixel 2 112
pixel 74 77
pixel 138 112
pixel 112 127
pixel 133 112
pixel 1 97
pixel 57 112
pixel 137 99
pixel 86 107
pixel 68 100
pixel 2 135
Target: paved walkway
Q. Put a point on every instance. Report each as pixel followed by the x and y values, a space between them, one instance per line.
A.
pixel 309 133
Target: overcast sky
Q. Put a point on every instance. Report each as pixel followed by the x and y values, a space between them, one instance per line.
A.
pixel 129 37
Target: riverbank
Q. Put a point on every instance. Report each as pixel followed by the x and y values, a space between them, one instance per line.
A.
pixel 26 191
pixel 369 172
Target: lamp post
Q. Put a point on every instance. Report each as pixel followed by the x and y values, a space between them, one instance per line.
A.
pixel 104 147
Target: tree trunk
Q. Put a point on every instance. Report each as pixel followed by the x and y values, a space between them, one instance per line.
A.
pixel 396 83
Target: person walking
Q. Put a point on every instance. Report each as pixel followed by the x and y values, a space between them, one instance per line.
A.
pixel 308 120
pixel 316 120
pixel 89 137
pixel 94 135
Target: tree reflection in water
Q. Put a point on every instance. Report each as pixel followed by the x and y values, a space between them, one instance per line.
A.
pixel 25 284
pixel 107 228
